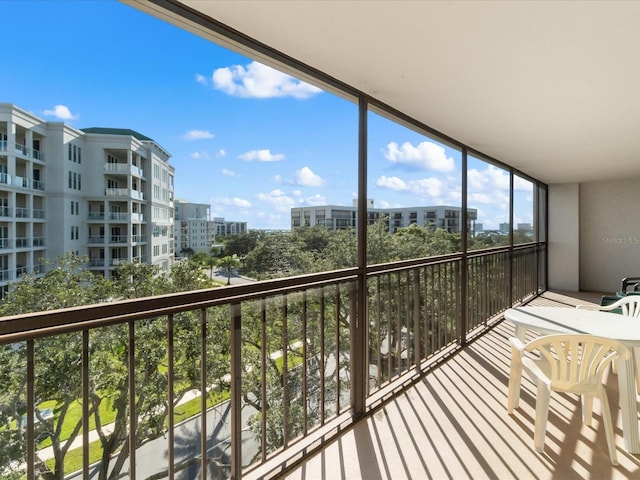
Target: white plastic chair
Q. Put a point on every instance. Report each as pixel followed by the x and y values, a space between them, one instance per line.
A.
pixel 629 306
pixel 571 363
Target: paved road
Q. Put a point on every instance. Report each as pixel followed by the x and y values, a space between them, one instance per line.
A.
pixel 152 457
pixel 235 278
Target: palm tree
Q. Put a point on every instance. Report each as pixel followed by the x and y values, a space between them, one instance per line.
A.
pixel 228 262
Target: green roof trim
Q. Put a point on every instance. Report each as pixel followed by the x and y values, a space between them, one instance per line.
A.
pixel 118 131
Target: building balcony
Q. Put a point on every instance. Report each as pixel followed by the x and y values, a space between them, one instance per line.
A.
pixel 118 216
pixel 22 242
pixel 452 423
pixel 124 192
pixel 123 169
pixel 426 379
pixel 95 239
pixel 118 239
pixel 96 262
pixel 137 218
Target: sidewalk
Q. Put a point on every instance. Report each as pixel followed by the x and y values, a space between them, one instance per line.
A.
pixel 47 453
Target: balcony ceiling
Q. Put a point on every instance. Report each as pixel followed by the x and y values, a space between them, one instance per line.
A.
pixel 551 88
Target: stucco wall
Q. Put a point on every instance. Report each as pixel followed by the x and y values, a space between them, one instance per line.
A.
pixel 609 234
pixel 564 245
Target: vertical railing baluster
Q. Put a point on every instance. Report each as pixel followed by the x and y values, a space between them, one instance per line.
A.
pixel 416 316
pixel 85 403
pixel 285 371
pixel 31 405
pixel 305 383
pixel 408 319
pixel 203 396
pixel 236 393
pixel 133 416
pixel 263 377
pixel 398 362
pixel 170 394
pixel 389 328
pixel 337 351
pixel 322 356
pixel 378 334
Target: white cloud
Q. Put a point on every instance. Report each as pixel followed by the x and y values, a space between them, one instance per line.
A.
pixel 316 200
pixel 259 81
pixel 424 156
pixel 62 112
pixel 199 155
pixel 222 153
pixel 296 193
pixel 392 183
pixel 278 199
pixel 306 178
pixel 196 135
pixel 426 187
pixel 229 173
pixel 232 202
pixel 264 155
pixel 277 178
pixel 201 79
pixel 489 179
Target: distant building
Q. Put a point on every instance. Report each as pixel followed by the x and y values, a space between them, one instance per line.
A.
pixel 193 230
pixel 479 228
pixel 196 232
pixel 106 193
pixel 336 217
pixel 504 228
pixel 224 228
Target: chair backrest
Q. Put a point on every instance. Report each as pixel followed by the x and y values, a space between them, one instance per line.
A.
pixel 576 362
pixel 630 306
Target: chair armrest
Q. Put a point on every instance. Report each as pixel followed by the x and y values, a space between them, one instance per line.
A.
pixel 517 344
pixel 590 307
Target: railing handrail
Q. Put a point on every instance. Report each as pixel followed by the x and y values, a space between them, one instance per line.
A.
pixel 53 322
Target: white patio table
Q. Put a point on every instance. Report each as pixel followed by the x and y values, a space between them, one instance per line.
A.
pixel 548 320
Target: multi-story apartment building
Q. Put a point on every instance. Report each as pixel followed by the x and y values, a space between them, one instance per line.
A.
pixel 101 192
pixel 224 228
pixel 193 232
pixel 336 217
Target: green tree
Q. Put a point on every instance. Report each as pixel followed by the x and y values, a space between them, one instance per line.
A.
pixel 228 262
pixel 58 358
pixel 242 243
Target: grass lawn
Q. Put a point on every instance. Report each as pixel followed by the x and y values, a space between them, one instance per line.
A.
pixel 74 415
pixel 73 459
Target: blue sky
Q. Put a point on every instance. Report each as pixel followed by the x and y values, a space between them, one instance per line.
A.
pixel 248 140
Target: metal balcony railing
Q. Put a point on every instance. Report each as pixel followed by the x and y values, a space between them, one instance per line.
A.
pixel 293 356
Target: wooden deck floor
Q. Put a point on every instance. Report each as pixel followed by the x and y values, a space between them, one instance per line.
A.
pixel 453 424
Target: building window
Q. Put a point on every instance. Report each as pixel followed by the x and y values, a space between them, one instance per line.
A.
pixel 70 180
pixel 75 154
pixel 70 152
pixel 79 155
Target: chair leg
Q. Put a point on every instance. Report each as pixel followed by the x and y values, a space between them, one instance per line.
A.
pixel 608 426
pixel 515 379
pixel 587 409
pixel 542 414
pixel 635 352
